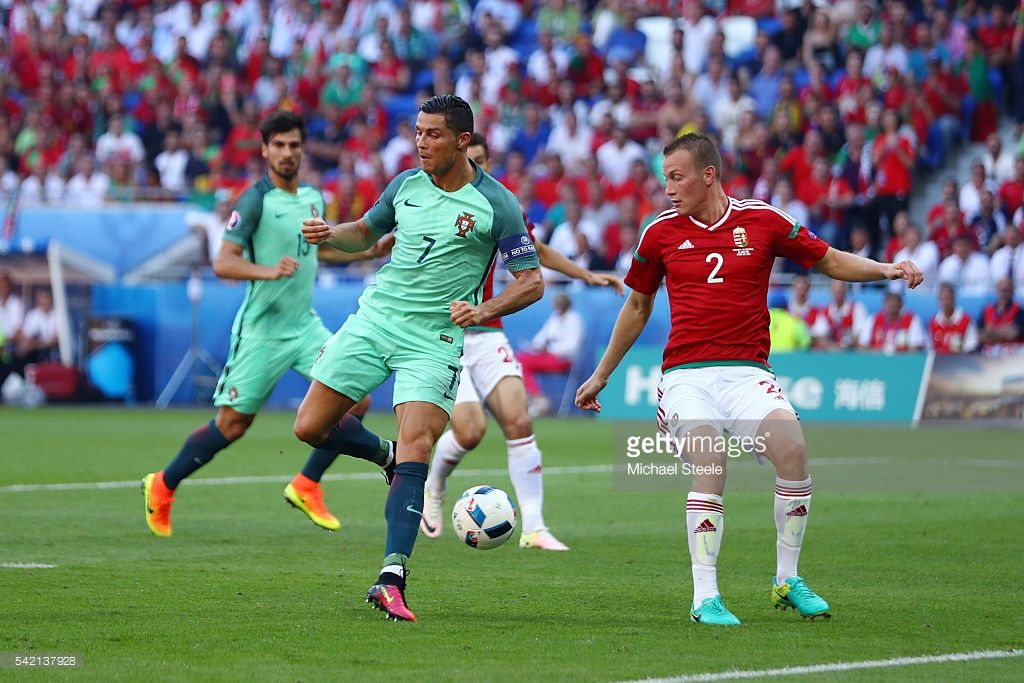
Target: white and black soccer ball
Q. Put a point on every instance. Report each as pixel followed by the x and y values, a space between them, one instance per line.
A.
pixel 484 517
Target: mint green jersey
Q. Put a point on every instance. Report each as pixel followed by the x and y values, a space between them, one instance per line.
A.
pixel 267 223
pixel 445 244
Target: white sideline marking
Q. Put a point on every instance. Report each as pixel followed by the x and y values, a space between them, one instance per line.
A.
pixel 284 479
pixel 26 565
pixel 840 666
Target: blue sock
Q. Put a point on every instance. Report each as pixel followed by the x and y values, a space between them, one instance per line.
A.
pixel 404 507
pixel 349 437
pixel 199 449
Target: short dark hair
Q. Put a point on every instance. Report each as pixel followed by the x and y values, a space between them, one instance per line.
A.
pixel 478 140
pixel 458 115
pixel 702 148
pixel 281 122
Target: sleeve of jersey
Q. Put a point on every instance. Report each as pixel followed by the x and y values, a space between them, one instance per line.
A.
pixel 244 218
pixel 381 216
pixel 509 231
pixel 798 243
pixel 647 270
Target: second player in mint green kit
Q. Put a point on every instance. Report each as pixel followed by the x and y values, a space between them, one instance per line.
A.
pixel 450 220
pixel 275 329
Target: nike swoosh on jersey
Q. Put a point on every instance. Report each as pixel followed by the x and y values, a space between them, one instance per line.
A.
pixel 415 206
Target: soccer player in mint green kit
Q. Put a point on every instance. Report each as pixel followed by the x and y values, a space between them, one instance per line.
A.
pixel 450 220
pixel 275 329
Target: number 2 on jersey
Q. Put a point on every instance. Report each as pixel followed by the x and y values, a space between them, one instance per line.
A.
pixel 430 243
pixel 713 277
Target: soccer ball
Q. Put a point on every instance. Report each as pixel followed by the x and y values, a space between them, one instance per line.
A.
pixel 484 517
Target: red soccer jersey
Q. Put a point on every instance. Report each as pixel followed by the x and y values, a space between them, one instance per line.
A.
pixel 953 334
pixel 717 279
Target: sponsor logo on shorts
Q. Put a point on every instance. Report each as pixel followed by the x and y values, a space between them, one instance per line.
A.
pixel 446 339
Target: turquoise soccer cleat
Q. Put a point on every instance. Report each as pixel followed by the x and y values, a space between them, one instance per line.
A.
pixel 712 611
pixel 794 593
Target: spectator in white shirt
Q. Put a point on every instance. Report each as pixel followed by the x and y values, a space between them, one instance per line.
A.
pixel 88 188
pixel 711 86
pixel 923 253
pixel 547 63
pixel 1008 261
pixel 966 269
pixel 12 311
pixel 555 347
pixel 506 12
pixel 36 342
pixel 572 237
pixel 999 163
pixel 698 29
pixel 171 163
pixel 571 141
pixel 616 156
pixel 970 193
pixel 727 111
pixel 885 55
pixel 119 141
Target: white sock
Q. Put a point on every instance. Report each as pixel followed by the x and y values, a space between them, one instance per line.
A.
pixel 447 457
pixel 524 468
pixel 792 505
pixel 705 521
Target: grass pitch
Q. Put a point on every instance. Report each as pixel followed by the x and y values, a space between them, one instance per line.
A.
pixel 915 539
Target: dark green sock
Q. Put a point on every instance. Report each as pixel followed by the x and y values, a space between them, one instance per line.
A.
pixel 349 437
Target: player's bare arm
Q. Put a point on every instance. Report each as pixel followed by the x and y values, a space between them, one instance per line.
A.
pixel 555 260
pixel 352 237
pixel 526 288
pixel 231 264
pixel 842 265
pixel 633 317
pixel 381 249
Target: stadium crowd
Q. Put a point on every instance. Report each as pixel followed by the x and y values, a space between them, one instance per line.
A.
pixel 825 109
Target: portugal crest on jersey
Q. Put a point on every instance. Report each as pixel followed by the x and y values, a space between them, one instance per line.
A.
pixel 739 237
pixel 464 223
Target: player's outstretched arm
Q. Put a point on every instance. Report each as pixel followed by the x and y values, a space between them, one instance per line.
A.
pixel 842 265
pixel 381 249
pixel 556 260
pixel 633 316
pixel 231 264
pixel 352 237
pixel 526 288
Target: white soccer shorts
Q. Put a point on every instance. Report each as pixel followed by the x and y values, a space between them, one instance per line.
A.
pixel 731 398
pixel 487 358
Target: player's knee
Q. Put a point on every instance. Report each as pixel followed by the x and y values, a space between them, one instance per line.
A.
pixel 470 433
pixel 308 432
pixel 234 427
pixel 790 453
pixel 416 448
pixel 518 426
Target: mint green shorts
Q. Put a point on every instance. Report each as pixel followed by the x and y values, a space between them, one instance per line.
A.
pixel 254 367
pixel 363 354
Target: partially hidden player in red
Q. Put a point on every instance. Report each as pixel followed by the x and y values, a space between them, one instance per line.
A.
pixel 715 255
